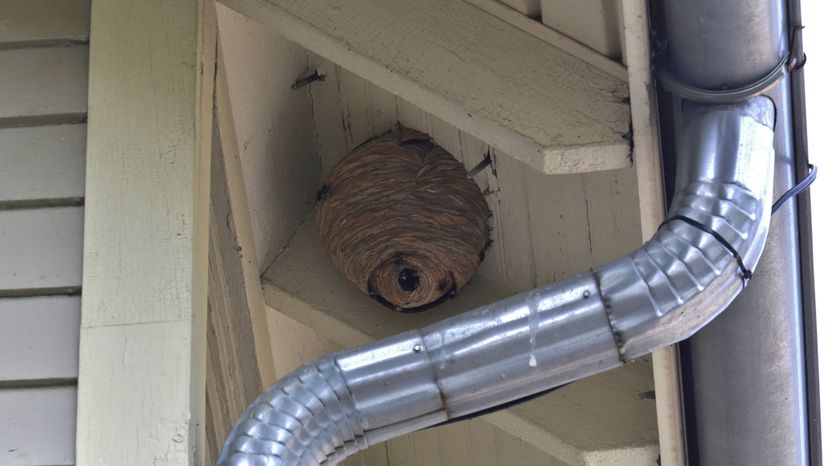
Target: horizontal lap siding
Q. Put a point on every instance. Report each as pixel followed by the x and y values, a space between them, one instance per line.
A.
pixel 43 93
pixel 43 21
pixel 43 85
pixel 40 248
pixel 44 163
pixel 39 339
pixel 38 426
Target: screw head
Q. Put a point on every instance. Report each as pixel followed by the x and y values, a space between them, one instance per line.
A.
pixel 417 348
pixel 586 294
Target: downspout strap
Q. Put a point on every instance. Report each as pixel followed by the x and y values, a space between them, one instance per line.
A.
pixel 726 96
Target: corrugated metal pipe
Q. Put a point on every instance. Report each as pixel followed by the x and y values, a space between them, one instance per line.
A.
pixel 695 265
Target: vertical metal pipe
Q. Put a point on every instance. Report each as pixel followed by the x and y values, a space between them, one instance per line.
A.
pixel 747 365
pixel 746 375
pixel 714 43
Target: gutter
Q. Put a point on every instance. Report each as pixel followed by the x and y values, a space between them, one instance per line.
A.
pixel 694 266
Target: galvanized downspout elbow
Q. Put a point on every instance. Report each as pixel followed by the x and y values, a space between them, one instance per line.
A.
pixel 694 266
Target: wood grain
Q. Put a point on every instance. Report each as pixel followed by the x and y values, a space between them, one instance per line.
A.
pixel 274 129
pixel 233 375
pixel 144 309
pixel 545 228
pixel 514 91
pixel 241 224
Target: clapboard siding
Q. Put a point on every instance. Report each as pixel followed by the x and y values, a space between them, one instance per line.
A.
pixel 38 426
pixel 29 22
pixel 39 339
pixel 41 248
pixel 43 92
pixel 44 163
pixel 40 83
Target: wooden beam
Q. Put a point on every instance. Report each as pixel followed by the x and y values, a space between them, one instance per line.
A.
pixel 233 380
pixel 240 218
pixel 239 353
pixel 520 20
pixel 143 323
pixel 471 69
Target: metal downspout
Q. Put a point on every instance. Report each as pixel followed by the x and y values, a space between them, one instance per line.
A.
pixel 744 373
pixel 693 267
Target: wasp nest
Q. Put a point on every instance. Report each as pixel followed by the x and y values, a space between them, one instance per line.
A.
pixel 400 218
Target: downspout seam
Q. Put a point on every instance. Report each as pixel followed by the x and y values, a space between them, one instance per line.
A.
pixel 616 335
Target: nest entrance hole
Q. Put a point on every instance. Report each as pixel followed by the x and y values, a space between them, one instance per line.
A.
pixel 409 279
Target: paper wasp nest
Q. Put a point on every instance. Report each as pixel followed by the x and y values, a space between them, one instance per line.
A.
pixel 400 218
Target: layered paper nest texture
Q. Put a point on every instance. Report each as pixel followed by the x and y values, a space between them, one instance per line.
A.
pixel 402 221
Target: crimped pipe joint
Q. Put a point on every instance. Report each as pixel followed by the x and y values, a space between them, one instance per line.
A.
pixel 693 267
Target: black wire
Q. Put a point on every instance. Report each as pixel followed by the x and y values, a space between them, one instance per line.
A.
pixel 796 190
pixel 746 272
pixel 746 275
pixel 492 409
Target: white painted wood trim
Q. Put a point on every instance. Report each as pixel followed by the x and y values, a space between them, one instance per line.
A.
pixel 552 37
pixel 478 73
pixel 143 324
pixel 233 376
pixel 594 23
pixel 241 221
pixel 669 407
pixel 274 129
pixel 647 162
